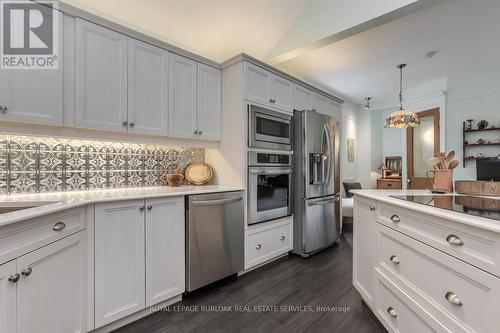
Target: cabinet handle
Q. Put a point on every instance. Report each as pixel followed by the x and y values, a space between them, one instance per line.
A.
pixel 150 207
pixel 3 108
pixel 132 124
pixel 59 226
pixel 141 208
pixel 14 278
pixel 395 218
pixel 258 246
pixel 282 238
pixel 394 259
pixel 454 240
pixel 389 185
pixel 27 271
pixel 453 299
pixel 391 311
pixel 124 123
pixel 372 208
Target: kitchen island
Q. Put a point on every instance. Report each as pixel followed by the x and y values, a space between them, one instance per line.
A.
pixel 421 268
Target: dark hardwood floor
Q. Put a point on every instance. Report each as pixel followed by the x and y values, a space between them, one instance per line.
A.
pixel 321 285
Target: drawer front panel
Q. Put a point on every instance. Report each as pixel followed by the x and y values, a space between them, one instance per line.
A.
pixel 475 246
pixel 399 313
pixel 22 237
pixel 267 244
pixel 455 289
pixel 389 184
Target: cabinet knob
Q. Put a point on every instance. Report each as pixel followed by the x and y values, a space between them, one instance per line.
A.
pixel 141 208
pixel 395 219
pixel 124 123
pixel 3 108
pixel 258 246
pixel 132 124
pixel 59 226
pixel 150 207
pixel 394 259
pixel 195 132
pixel 392 312
pixel 282 238
pixel 200 132
pixel 14 278
pixel 27 271
pixel 454 240
pixel 453 298
pixel 372 208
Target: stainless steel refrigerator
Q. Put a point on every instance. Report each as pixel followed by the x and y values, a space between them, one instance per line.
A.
pixel 316 182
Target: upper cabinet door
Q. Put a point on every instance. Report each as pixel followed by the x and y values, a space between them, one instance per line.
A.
pixel 165 263
pixel 257 84
pixel 101 78
pixel 119 260
pixel 147 88
pixel 182 98
pixel 320 103
pixel 8 299
pixel 33 95
pixel 302 98
pixel 209 103
pixel 281 93
pixel 53 286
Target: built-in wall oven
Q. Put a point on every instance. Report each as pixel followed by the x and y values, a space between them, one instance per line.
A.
pixel 269 186
pixel 269 129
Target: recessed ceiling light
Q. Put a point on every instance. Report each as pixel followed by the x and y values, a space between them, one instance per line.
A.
pixel 430 54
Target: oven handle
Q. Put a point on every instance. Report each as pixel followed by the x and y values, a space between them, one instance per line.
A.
pixel 215 202
pixel 262 171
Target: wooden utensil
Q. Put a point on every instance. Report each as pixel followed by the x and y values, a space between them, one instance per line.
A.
pixel 449 156
pixel 442 161
pixel 453 164
pixel 434 162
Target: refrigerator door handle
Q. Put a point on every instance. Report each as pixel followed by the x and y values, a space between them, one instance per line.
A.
pixel 329 154
pixel 322 201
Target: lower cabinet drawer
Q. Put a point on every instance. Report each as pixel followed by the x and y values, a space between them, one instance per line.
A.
pixel 454 291
pixel 399 313
pixel 18 238
pixel 267 243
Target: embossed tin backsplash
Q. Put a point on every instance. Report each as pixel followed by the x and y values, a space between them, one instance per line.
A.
pixel 37 164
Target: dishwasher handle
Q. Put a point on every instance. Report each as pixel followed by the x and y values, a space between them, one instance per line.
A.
pixel 216 201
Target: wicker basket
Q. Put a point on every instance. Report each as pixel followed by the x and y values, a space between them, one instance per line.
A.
pixel 473 187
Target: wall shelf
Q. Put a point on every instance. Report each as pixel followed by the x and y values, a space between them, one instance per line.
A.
pixel 466 130
pixel 481 130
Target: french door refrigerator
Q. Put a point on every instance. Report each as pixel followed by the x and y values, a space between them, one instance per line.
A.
pixel 316 182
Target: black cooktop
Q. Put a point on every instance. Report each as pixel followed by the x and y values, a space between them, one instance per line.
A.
pixel 477 206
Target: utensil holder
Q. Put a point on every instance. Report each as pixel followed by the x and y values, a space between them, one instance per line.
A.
pixel 442 180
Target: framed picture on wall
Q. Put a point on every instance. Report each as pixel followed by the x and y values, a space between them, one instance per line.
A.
pixel 350 150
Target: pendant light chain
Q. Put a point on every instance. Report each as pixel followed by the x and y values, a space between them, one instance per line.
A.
pixel 401 87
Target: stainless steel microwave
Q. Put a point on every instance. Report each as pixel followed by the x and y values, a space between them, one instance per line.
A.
pixel 269 129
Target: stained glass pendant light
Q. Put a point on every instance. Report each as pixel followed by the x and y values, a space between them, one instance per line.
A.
pixel 402 118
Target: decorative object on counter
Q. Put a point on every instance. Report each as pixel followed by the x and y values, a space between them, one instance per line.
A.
pixel 175 179
pixel 41 164
pixel 478 187
pixel 443 161
pixel 350 150
pixel 442 179
pixel 199 173
pixel 402 118
pixel 469 125
pixel 482 124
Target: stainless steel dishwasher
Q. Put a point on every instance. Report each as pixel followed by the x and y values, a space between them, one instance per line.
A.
pixel 214 237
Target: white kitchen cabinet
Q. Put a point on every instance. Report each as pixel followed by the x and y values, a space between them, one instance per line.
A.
pixel 182 97
pixel 320 103
pixel 101 77
pixel 119 260
pixel 266 88
pixel 302 98
pixel 34 95
pixel 8 299
pixel 147 88
pixel 364 236
pixel 51 291
pixel 164 249
pixel 209 103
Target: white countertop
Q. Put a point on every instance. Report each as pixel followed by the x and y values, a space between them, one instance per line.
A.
pixel 67 200
pixel 384 196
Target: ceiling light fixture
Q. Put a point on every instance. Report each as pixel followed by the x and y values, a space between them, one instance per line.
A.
pixel 402 118
pixel 367 104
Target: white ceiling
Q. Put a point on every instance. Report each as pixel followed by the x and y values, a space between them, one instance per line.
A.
pixel 465 33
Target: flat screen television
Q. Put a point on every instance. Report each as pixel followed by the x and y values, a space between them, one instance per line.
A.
pixel 488 169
